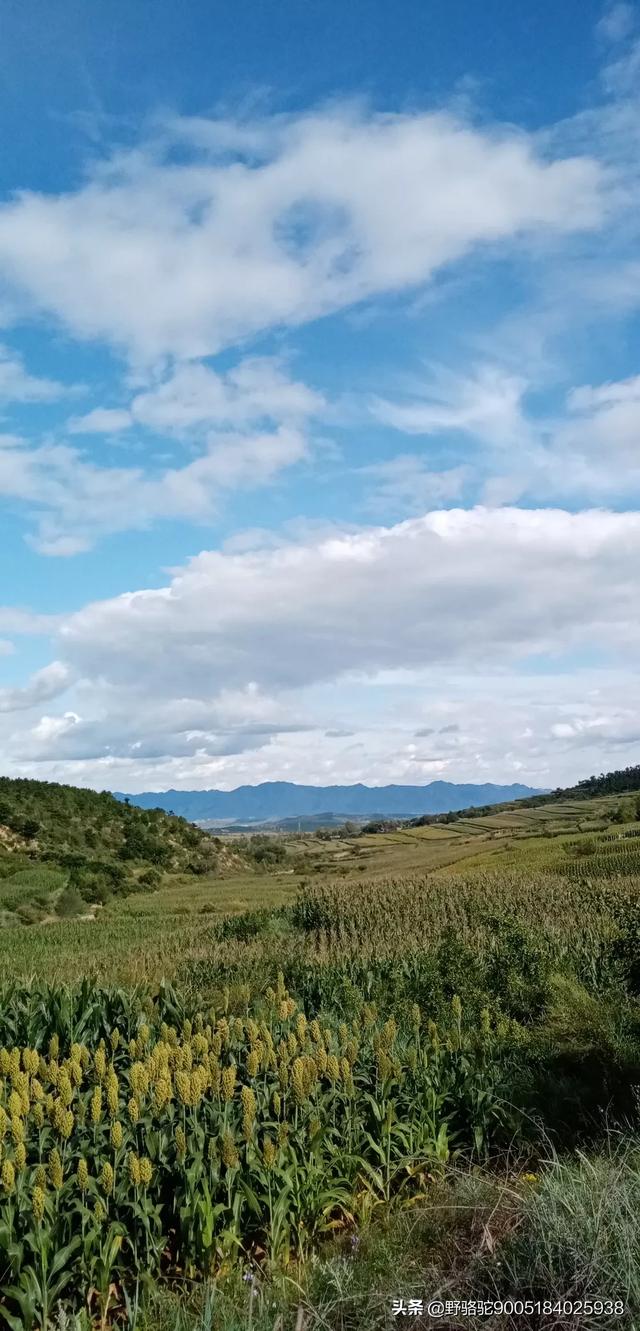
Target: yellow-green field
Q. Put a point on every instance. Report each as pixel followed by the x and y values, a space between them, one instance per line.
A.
pixel 149 936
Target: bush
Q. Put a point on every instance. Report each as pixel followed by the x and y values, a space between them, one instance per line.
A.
pixel 70 903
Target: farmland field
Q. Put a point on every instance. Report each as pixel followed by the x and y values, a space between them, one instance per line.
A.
pixel 272 1094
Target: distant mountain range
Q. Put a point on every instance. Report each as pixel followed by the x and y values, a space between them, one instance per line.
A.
pixel 275 800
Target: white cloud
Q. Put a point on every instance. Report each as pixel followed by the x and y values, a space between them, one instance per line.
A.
pixel 388 633
pixel 17 385
pixel 194 396
pixel 160 258
pixel 75 501
pixel 452 586
pixel 405 483
pixel 102 420
pixel 47 683
pixel 486 404
pixel 541 457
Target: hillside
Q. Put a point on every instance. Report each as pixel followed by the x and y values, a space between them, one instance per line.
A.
pixel 277 800
pixel 62 848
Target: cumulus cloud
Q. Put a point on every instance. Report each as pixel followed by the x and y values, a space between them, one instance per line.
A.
pixel 166 258
pixel 45 684
pixel 195 396
pixel 453 585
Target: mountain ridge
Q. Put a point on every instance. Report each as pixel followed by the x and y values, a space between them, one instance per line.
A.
pixel 272 800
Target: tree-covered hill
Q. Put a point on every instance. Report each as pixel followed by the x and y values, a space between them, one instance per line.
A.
pixel 61 847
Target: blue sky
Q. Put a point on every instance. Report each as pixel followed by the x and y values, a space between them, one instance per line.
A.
pixel 320 394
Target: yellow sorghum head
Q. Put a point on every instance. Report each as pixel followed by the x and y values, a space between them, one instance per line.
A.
pixel 40 1177
pixel 384 1064
pixel 96 1105
pixel 146 1172
pixel 199 1083
pixel 301 1027
pixel 30 1061
pixel 8 1176
pixel 20 1156
pixel 112 1094
pixel 75 1072
pixel 17 1130
pixel 56 1176
pixel 38 1115
pixel 54 1047
pixel 133 1110
pixel 181 1143
pixel 107 1178
pixel 333 1069
pixel 82 1173
pixel 100 1063
pixel 65 1089
pixel 162 1091
pixel 292 1044
pixel 139 1080
pixel 99 1211
pixel 229 1153
pixel 298 1081
pixel 212 1151
pixel 116 1135
pixel 253 1063
pixel 183 1086
pixel 38 1201
pixel 283 1134
pixel 114 1040
pixel 14 1105
pixel 316 1033
pixel 269 1152
pixel 133 1165
pixel 228 1081
pixel 5 1062
pixel 276 1104
pixel 37 1092
pixel 388 1034
pixel 4 1123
